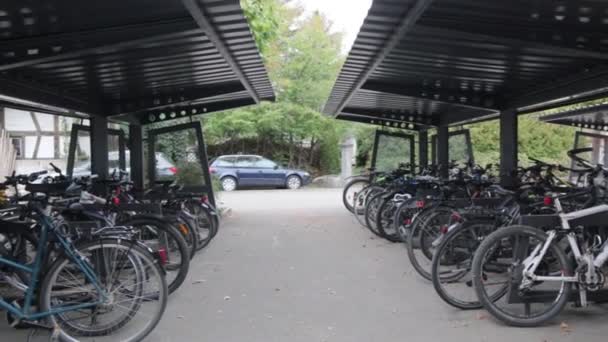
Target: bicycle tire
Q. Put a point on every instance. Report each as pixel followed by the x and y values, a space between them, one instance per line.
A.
pixel 345 200
pixel 489 303
pixel 139 256
pixel 181 248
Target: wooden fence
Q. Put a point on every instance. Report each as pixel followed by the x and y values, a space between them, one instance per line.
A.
pixel 7 155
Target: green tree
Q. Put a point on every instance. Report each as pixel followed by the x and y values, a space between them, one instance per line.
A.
pixel 303 59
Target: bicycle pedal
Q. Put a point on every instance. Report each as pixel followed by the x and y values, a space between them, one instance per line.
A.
pixel 22 324
pixel 56 335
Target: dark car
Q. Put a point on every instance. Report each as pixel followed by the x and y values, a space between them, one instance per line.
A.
pixel 255 171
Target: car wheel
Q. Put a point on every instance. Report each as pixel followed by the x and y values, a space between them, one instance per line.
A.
pixel 228 184
pixel 294 182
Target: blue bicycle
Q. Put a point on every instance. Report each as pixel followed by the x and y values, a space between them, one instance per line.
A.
pixel 106 288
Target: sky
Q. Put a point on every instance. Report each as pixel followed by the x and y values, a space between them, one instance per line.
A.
pixel 346 15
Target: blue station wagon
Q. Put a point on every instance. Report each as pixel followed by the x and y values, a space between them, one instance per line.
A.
pixel 238 171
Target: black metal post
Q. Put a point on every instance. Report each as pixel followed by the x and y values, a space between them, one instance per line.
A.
pixel 136 152
pixel 2 117
pixel 443 150
pixel 72 150
pixel 204 159
pixel 423 148
pixel 375 149
pixel 99 147
pixel 508 147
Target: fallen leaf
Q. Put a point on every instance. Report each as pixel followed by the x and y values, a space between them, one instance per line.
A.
pixel 481 316
pixel 180 317
pixel 227 298
pixel 564 328
pixel 277 289
pixel 199 281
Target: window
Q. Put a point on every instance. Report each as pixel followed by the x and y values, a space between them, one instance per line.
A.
pixel 19 145
pixel 225 162
pixel 265 164
pixel 246 161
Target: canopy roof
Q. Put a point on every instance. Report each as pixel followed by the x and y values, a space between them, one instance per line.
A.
pixel 138 60
pixel 592 116
pixel 431 62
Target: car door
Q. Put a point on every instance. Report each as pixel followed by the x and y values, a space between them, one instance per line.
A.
pixel 246 172
pixel 272 174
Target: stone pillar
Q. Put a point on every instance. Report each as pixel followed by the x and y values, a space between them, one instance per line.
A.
pixel 349 150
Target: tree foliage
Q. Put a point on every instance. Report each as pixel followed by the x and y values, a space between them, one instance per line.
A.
pixel 303 59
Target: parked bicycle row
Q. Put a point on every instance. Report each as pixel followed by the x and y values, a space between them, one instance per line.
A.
pixel 96 259
pixel 521 253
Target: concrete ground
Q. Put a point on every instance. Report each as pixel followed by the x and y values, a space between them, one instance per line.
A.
pixel 296 266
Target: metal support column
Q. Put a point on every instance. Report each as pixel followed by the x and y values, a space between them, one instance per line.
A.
pixel 443 150
pixel 136 151
pixel 423 148
pixel 99 147
pixel 508 147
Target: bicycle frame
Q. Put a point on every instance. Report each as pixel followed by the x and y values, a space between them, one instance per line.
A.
pixel 533 260
pixel 25 312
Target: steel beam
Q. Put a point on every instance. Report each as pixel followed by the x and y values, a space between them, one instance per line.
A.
pixel 386 114
pixel 578 87
pixel 53 47
pixel 408 21
pixel 34 95
pixel 199 15
pixel 371 120
pixel 136 152
pixel 159 101
pixel 508 148
pixel 186 110
pixel 518 44
pixel 469 99
pixel 579 112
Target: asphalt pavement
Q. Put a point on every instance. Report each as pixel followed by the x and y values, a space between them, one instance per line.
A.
pixel 296 266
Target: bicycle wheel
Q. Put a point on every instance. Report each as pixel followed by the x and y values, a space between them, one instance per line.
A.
pixel 499 261
pixel 206 228
pixel 385 219
pixel 359 205
pixel 405 216
pixel 350 191
pixel 187 228
pixel 420 241
pixel 128 277
pixel 371 210
pixel 451 270
pixel 165 239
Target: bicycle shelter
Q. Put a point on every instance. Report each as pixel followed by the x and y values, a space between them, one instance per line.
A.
pixel 436 64
pixel 136 62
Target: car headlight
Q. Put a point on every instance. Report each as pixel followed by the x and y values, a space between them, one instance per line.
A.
pixel 306 174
